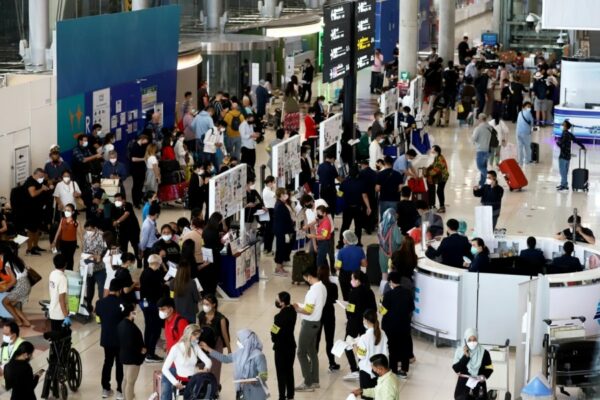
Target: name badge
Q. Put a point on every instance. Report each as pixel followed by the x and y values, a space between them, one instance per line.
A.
pixel 350 307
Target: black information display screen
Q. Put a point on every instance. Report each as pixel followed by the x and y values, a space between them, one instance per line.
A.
pixel 364 33
pixel 337 41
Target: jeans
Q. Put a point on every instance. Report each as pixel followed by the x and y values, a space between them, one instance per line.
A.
pixel 563 167
pixel 307 351
pixel 111 355
pixel 322 252
pixel 166 388
pixel 234 146
pixel 98 278
pixel 524 149
pixel 481 160
pixel 384 205
pixel 153 325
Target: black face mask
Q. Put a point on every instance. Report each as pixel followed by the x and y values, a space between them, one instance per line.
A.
pixel 374 372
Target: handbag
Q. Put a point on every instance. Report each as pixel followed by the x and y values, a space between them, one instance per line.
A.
pixel 33 276
pixel 79 203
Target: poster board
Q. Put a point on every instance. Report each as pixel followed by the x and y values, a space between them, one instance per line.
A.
pixel 22 165
pixel 388 102
pixel 227 192
pixel 330 133
pixel 286 160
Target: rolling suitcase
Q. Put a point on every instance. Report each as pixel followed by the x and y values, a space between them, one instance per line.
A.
pixel 515 178
pixel 418 187
pixel 581 175
pixel 300 261
pixel 373 269
pixel 535 153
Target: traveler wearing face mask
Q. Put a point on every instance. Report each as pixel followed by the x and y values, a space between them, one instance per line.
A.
pixel 114 169
pixel 174 323
pixel 254 201
pixel 324 231
pixel 123 275
pixel 19 376
pixel 269 199
pixel 284 345
pixel 66 191
pixel 109 314
pixel 94 246
pixel 137 166
pixel 131 349
pixel 360 299
pixel 55 166
pixel 525 125
pixel 152 289
pixel 126 224
pixel 491 195
pixel 471 359
pixel 376 149
pixel 83 160
pixel 215 326
pixel 65 239
pixel 377 127
pixel 181 362
pixel 373 341
pixel 387 384
pixel 10 343
pixel 284 230
pixel 481 256
pixel 166 247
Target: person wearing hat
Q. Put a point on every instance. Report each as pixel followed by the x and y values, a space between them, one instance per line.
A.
pixel 540 92
pixel 55 166
pixel 349 259
pixel 152 289
pixel 109 312
pixel 481 139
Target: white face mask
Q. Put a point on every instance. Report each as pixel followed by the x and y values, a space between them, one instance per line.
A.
pixel 68 214
pixel 66 179
pixel 206 308
pixel 380 120
pixel 113 161
pixel 365 325
pixel 162 314
pixel 40 180
pixel 166 238
pixel 84 144
pixel 118 203
pixel 252 187
pixel 99 133
pixel 488 181
pixel 239 344
pixel 6 339
pixel 472 345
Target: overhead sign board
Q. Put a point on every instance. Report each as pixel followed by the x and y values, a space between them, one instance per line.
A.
pixel 364 33
pixel 337 41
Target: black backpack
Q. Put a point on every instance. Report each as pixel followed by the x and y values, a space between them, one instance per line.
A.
pixel 201 386
pixel 494 143
pixel 235 122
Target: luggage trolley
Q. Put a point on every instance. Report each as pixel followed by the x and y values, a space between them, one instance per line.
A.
pixel 499 380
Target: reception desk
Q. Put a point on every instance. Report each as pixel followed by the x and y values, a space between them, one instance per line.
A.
pixel 586 122
pixel 448 300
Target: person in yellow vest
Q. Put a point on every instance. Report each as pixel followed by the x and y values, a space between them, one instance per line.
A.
pixel 10 342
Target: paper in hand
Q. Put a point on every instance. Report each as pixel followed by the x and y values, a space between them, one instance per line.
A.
pixel 472 382
pixel 351 396
pixel 207 255
pixel 339 347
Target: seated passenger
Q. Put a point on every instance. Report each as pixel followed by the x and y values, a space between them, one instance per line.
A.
pixel 453 248
pixel 481 256
pixel 531 257
pixel 567 262
pixel 435 221
pixel 581 234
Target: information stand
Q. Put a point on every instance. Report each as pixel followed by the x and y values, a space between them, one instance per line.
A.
pixel 388 105
pixel 330 133
pixel 286 160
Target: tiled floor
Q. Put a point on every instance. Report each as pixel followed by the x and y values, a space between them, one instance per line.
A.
pixel 537 210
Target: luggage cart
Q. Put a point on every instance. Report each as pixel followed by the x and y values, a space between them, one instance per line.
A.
pixel 499 380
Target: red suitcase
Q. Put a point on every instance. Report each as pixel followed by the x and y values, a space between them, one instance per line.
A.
pixel 515 178
pixel 172 192
pixel 418 187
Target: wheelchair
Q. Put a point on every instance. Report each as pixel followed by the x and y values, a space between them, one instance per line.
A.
pixel 64 366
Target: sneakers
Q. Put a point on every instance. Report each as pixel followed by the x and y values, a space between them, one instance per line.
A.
pixel 402 375
pixel 107 393
pixel 38 248
pixel 562 188
pixel 334 367
pixel 153 358
pixel 119 395
pixel 281 273
pixel 33 252
pixel 304 388
pixel 352 376
pixel 441 210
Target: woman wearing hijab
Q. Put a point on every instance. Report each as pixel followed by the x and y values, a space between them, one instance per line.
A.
pixel 390 239
pixel 249 362
pixel 472 360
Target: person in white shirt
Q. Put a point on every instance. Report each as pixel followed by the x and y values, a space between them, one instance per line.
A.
pixel 66 191
pixel 498 124
pixel 310 312
pixel 376 150
pixel 180 150
pixel 58 313
pixel 268 195
pixel 213 141
pixel 372 342
pixel 183 357
pixel 248 141
pixel 111 257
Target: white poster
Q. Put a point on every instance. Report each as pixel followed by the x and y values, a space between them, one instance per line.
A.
pixel 436 304
pixel 571 15
pixel 255 74
pixel 289 68
pixel 483 223
pixel 330 133
pixel 101 108
pixel 585 299
pixel 22 164
pixel 227 191
pixel 286 159
pixel 388 102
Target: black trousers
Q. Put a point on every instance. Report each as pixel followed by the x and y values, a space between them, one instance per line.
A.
pixel 125 238
pixel 351 361
pixel 351 213
pixel 438 188
pixel 248 157
pixel 344 278
pixel 67 249
pixel 284 367
pixel 327 324
pixel 400 347
pixel 111 356
pixel 366 382
pixel 138 175
pixel 269 234
pixel 369 222
pixel 306 92
pixel 153 325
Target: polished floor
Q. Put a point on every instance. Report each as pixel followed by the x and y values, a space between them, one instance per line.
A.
pixel 537 210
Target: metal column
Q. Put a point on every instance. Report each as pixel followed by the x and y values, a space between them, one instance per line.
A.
pixel 409 34
pixel 446 34
pixel 38 31
pixel 214 11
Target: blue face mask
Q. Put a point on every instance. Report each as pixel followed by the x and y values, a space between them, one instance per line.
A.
pixel 473 250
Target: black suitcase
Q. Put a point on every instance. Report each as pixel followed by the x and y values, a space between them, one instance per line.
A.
pixel 577 363
pixel 300 261
pixel 581 175
pixel 373 270
pixel 535 152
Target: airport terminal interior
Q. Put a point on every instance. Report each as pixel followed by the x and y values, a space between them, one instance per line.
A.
pixel 406 151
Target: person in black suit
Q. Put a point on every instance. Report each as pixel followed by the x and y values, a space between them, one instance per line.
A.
pixel 283 229
pixel 407 211
pixel 368 177
pixel 308 72
pixel 567 262
pixel 531 258
pixel 396 309
pixel 306 174
pixel 319 110
pixel 453 248
pixel 284 345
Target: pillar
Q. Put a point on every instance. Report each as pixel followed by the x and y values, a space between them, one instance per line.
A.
pixel 496 16
pixel 139 4
pixel 409 35
pixel 446 34
pixel 214 10
pixel 314 3
pixel 270 8
pixel 38 30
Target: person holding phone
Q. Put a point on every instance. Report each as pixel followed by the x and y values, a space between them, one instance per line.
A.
pixel 19 375
pixel 473 365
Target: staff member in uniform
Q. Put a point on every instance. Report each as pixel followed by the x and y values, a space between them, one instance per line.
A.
pixel 360 299
pixel 284 345
pixel 349 259
pixel 373 341
pixel 328 317
pixel 327 176
pixel 396 311
pixel 10 341
pixel 126 224
pixel 355 200
pixel 311 311
pixel 322 235
pixel 471 359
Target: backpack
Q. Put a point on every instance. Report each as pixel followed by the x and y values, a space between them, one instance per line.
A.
pixel 202 385
pixel 235 122
pixel 494 143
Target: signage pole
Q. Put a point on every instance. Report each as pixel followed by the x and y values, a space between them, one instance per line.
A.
pixel 350 94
